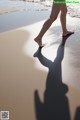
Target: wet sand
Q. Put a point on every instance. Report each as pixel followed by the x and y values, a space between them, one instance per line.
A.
pixel 7 10
pixel 24 73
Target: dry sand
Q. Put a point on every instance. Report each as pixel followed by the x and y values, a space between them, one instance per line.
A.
pixel 21 74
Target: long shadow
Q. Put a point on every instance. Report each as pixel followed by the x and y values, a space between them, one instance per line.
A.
pixel 55 105
pixel 77 114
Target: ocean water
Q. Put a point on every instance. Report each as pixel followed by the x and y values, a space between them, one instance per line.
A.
pixel 73 9
pixel 21 5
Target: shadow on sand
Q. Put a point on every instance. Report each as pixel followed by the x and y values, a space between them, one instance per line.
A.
pixel 55 105
pixel 77 114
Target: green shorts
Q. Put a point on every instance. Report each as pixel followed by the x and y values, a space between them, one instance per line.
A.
pixel 59 1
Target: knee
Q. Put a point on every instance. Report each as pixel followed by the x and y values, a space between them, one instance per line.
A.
pixel 64 12
pixel 52 19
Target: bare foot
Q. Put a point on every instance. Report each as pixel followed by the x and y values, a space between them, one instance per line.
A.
pixel 39 42
pixel 67 33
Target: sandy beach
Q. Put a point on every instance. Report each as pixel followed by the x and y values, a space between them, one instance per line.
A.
pixel 38 84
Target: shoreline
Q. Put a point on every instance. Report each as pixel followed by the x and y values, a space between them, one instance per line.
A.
pixel 73 10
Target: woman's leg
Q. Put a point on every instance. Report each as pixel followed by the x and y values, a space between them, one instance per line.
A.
pixel 63 20
pixel 47 24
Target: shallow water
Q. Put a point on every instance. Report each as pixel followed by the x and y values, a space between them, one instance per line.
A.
pixel 22 5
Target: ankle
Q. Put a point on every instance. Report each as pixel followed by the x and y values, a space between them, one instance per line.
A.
pixel 37 39
pixel 65 31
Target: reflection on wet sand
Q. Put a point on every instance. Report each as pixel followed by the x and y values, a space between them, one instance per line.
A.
pixel 55 105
